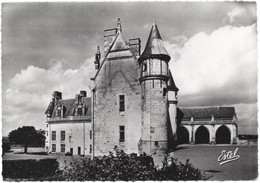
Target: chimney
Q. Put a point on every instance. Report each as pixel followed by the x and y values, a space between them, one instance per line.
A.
pixel 83 93
pixel 77 98
pixel 56 96
pixel 135 46
pixel 109 36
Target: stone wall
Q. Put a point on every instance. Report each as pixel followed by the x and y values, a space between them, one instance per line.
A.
pixel 117 77
pixel 155 116
pixel 77 134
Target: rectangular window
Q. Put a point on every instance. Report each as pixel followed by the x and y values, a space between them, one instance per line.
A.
pixel 53 135
pixel 80 111
pixel 156 143
pixel 121 133
pixel 62 135
pixel 53 148
pixel 152 129
pixel 144 67
pixel 62 148
pixel 90 134
pixel 59 112
pixel 79 150
pixel 121 103
pixel 90 148
pixel 164 91
pixel 160 67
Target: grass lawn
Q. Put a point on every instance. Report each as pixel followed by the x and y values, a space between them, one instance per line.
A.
pixel 205 157
pixel 16 153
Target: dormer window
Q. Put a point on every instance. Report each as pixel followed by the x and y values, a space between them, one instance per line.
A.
pixel 59 112
pixel 80 111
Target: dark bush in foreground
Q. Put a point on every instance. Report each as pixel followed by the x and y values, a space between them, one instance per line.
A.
pixel 29 169
pixel 121 166
pixel 174 170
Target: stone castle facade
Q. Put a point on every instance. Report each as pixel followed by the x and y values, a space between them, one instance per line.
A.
pixel 133 103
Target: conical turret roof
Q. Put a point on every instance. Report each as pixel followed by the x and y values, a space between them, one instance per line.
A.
pixel 154 47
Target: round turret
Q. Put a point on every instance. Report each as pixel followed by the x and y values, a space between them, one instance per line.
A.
pixel 154 59
pixel 154 82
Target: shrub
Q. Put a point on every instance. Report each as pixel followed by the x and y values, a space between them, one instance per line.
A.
pixel 121 166
pixel 174 170
pixel 118 166
pixel 39 153
pixel 68 154
pixel 29 169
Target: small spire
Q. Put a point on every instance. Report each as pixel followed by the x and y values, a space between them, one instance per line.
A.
pixel 119 27
pixel 154 47
pixel 154 22
pixel 97 58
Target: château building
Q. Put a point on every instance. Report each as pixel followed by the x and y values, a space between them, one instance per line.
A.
pixel 133 103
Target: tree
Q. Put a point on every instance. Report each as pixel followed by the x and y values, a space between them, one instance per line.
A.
pixel 26 135
pixel 6 147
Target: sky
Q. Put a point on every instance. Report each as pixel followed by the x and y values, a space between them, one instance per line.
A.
pixel 51 46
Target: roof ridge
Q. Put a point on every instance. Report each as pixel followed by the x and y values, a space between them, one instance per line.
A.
pixel 209 107
pixel 74 98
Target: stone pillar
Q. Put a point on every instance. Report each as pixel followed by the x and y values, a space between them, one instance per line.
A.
pixel 234 134
pixel 192 135
pixel 212 135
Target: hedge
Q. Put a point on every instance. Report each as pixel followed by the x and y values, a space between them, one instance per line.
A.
pixel 29 169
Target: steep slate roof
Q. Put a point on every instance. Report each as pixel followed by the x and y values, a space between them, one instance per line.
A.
pixel 171 83
pixel 118 48
pixel 154 47
pixel 207 112
pixel 69 105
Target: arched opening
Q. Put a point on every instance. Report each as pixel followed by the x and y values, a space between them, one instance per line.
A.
pixel 202 135
pixel 182 135
pixel 223 135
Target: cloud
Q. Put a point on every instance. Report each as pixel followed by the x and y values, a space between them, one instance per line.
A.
pixel 247 118
pixel 232 16
pixel 147 26
pixel 29 91
pixel 221 66
pixel 219 69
